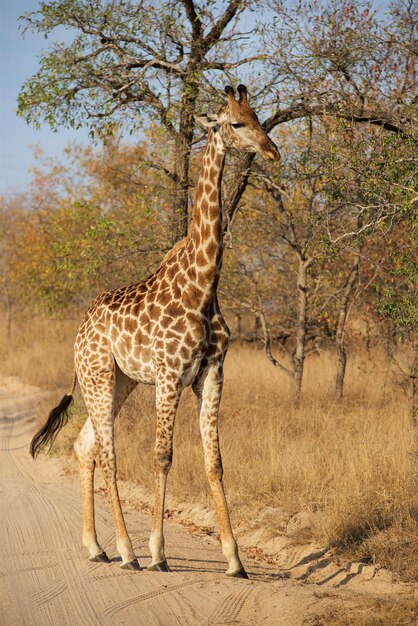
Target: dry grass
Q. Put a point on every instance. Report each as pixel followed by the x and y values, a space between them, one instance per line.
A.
pixel 370 612
pixel 349 464
pixel 39 351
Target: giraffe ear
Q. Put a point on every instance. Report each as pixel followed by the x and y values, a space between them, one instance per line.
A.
pixel 207 120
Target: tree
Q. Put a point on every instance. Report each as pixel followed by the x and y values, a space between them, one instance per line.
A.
pixel 372 178
pixel 283 221
pixel 396 302
pixel 9 280
pixel 346 59
pixel 84 227
pixel 136 63
pixel 342 188
pixel 340 59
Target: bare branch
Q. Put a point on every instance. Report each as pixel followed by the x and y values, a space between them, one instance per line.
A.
pixel 215 33
pixel 169 67
pixel 364 228
pixel 267 340
pixel 217 65
pixel 167 172
pixel 303 109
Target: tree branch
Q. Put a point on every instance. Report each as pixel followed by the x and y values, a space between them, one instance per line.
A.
pixel 215 33
pixel 193 18
pixel 215 65
pixel 168 66
pixel 303 109
pixel 267 340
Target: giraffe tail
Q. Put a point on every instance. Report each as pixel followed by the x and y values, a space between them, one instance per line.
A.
pixel 57 418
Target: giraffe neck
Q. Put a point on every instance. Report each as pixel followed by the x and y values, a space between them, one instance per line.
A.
pixel 206 227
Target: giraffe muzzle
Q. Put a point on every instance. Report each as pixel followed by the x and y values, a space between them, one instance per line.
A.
pixel 271 155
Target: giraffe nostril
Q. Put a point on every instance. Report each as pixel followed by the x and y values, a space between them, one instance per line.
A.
pixel 268 150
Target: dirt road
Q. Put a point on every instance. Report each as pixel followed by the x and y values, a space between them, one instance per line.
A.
pixel 45 577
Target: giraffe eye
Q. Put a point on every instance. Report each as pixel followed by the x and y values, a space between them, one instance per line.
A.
pixel 238 125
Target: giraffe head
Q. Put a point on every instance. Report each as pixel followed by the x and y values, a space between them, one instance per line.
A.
pixel 238 126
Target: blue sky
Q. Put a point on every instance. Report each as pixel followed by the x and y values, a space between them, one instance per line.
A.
pixel 18 61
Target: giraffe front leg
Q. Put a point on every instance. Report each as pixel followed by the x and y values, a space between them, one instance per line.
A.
pixel 84 449
pixel 211 393
pixel 167 399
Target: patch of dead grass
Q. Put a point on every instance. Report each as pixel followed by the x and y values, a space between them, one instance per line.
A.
pixel 367 612
pixel 39 351
pixel 396 548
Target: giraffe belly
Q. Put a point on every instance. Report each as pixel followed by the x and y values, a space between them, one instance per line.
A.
pixel 139 367
pixel 141 362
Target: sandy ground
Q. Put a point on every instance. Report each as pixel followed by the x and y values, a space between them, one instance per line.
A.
pixel 46 578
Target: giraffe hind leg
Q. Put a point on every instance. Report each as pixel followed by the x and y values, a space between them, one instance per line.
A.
pixel 124 387
pixel 103 401
pixel 84 447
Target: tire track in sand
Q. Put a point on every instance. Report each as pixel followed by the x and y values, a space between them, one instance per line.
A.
pixel 113 609
pixel 49 527
pixel 231 607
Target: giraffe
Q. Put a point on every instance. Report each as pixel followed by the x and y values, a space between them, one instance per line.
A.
pixel 168 331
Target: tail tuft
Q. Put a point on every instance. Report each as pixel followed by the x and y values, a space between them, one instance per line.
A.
pixel 56 420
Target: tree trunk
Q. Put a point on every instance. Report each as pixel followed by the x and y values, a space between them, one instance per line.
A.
pixel 182 152
pixel 239 328
pixel 299 356
pixel 8 315
pixel 341 326
pixel 342 364
pixel 180 213
pixel 236 188
pixel 413 375
pixel 257 326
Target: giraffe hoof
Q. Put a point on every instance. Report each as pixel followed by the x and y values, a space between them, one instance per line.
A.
pixel 159 567
pixel 241 573
pixel 100 558
pixel 132 565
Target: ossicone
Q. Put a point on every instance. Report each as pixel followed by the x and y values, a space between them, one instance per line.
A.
pixel 242 90
pixel 230 92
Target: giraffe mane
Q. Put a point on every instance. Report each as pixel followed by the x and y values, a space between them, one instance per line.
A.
pixel 177 246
